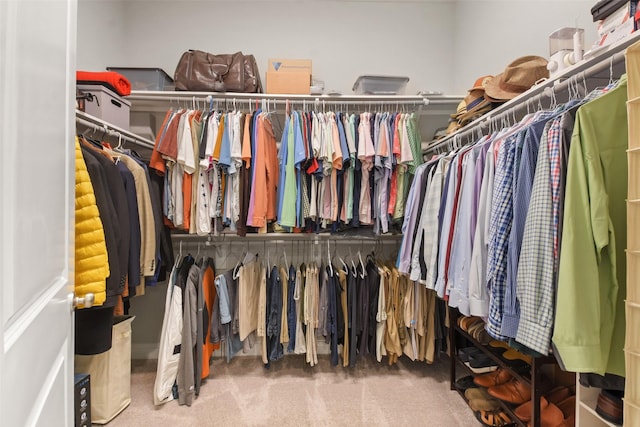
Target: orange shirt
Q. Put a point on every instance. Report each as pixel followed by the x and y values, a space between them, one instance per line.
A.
pixel 209 291
pixel 157 162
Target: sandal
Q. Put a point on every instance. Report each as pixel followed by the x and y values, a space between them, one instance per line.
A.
pixel 493 418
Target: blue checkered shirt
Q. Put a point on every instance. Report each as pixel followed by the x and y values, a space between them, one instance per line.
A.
pixel 499 229
pixel 535 281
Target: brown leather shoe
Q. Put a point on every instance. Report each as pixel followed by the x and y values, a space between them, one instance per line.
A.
pixel 610 406
pixel 557 395
pixel 551 416
pixel 512 392
pixel 497 377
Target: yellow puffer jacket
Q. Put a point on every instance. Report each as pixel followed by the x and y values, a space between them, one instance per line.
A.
pixel 91 262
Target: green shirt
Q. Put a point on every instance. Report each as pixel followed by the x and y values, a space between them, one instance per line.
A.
pixel 589 327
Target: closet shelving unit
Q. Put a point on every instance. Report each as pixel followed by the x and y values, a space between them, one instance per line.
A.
pixel 533 378
pixel 596 71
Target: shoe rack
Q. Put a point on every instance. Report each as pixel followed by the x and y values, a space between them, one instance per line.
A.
pixel 532 377
pixel 632 341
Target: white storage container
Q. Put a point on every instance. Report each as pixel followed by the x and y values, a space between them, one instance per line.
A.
pixel 107 105
pixel 380 85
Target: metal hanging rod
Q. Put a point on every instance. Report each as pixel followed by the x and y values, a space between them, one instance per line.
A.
pixel 206 97
pixel 100 125
pixel 603 61
pixel 343 237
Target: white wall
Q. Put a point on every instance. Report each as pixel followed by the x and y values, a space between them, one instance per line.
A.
pixel 439 45
pixel 491 34
pixel 101 34
pixel 344 39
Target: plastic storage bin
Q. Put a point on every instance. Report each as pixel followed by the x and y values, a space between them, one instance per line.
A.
pixel 146 78
pixel 107 105
pixel 380 85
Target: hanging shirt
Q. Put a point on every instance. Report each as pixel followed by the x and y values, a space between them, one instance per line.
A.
pixel 284 147
pixel 365 154
pixel 288 214
pixel 462 243
pixel 535 288
pixel 592 270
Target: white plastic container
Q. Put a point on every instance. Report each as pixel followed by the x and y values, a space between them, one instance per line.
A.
pixel 380 85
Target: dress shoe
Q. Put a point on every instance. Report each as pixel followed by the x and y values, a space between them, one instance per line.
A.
pixel 499 376
pixel 465 383
pixel 481 360
pixel 513 391
pixel 465 352
pixel 609 406
pixel 557 395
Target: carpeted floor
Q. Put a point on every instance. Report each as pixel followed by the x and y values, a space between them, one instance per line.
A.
pixel 290 393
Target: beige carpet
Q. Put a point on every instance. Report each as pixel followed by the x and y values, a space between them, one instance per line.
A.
pixel 291 393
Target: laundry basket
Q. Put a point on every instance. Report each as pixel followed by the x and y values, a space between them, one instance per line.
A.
pixel 110 373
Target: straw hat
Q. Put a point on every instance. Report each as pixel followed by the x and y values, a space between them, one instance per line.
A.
pixel 518 77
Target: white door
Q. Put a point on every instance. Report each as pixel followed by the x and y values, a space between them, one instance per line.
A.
pixel 37 124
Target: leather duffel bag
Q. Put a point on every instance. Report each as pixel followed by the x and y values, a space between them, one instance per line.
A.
pixel 203 71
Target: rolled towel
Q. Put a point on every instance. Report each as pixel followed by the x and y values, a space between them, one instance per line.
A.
pixel 111 79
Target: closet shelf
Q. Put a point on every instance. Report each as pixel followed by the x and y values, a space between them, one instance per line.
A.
pixel 598 69
pixel 99 125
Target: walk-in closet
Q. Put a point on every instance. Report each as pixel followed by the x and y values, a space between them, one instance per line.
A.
pixel 319 212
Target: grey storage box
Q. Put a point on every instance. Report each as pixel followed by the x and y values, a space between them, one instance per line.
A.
pixel 146 78
pixel 107 105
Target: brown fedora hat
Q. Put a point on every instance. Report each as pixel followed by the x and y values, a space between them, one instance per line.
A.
pixel 519 76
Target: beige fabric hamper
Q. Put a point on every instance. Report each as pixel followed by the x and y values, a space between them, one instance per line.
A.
pixel 110 373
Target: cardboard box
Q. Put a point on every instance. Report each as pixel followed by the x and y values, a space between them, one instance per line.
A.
pixel 289 76
pixel 110 373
